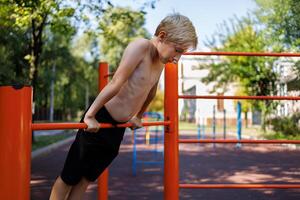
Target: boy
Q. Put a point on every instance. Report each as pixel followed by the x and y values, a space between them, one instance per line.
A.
pixel 124 99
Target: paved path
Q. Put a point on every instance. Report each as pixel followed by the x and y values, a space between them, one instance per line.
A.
pixel 199 163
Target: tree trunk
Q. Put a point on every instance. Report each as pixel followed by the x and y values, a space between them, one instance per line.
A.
pixel 35 49
pixel 246 118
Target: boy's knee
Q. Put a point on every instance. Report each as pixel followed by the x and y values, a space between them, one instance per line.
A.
pixel 70 180
pixel 62 183
pixel 60 190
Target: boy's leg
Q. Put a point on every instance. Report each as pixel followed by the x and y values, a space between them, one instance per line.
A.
pixel 78 190
pixel 60 190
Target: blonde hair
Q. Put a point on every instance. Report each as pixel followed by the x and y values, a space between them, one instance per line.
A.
pixel 179 29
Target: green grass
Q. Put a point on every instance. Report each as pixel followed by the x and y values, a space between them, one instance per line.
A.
pixel 45 140
pixel 279 136
pixel 254 131
pixel 187 126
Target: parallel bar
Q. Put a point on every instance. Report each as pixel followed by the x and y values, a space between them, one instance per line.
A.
pixel 171 148
pixel 239 186
pixel 15 142
pixel 272 54
pixel 239 141
pixel 103 69
pixel 55 126
pixel 238 97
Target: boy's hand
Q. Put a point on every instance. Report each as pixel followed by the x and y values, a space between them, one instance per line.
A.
pixel 136 123
pixel 92 123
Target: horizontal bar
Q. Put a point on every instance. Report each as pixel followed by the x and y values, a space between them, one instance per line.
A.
pixel 56 126
pixel 271 54
pixel 149 162
pixel 238 97
pixel 239 141
pixel 238 186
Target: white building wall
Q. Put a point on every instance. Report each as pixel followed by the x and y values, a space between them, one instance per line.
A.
pixel 204 107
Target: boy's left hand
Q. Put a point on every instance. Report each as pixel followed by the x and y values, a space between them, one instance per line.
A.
pixel 136 123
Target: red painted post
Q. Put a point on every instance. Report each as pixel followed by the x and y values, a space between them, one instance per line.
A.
pixel 103 179
pixel 15 142
pixel 171 159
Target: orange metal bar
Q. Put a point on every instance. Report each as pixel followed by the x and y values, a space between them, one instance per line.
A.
pixel 103 179
pixel 56 126
pixel 239 97
pixel 272 54
pixel 240 141
pixel 171 158
pixel 15 142
pixel 238 186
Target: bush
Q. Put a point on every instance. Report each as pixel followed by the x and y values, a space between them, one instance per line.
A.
pixel 288 126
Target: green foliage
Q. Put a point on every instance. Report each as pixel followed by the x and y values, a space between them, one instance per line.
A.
pixel 246 104
pixel 119 26
pixel 157 105
pixel 255 74
pixel 282 21
pixel 45 140
pixel 36 36
pixel 13 45
pixel 288 125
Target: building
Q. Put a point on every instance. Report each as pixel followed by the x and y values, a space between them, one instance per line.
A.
pixel 201 111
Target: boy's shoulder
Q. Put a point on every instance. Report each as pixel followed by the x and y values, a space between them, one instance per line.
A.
pixel 141 43
pixel 145 46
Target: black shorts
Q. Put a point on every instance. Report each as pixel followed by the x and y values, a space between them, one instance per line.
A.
pixel 91 153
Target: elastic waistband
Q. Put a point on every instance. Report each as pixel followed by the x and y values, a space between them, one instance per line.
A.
pixel 113 121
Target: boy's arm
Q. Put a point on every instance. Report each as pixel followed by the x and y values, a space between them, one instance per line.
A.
pixel 137 119
pixel 132 56
pixel 150 97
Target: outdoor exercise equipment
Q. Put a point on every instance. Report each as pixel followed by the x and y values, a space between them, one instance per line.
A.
pixel 16 127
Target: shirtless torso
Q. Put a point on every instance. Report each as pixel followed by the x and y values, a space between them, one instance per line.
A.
pixel 134 92
pixel 133 85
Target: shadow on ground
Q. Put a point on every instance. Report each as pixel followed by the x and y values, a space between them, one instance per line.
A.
pixel 199 163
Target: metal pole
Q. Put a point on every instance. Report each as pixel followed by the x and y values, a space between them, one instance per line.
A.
pixel 224 124
pixel 103 179
pixel 239 97
pixel 171 167
pixel 214 124
pixel 239 123
pixel 15 142
pixel 51 117
pixel 274 54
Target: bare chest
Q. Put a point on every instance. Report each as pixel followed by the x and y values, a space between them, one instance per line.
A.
pixel 146 74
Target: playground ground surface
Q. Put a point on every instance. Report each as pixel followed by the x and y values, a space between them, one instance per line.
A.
pixel 199 163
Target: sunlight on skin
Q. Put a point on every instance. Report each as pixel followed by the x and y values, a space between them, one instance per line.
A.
pixel 33 182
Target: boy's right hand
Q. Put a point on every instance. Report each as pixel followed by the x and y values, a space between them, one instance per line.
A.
pixel 92 123
pixel 136 123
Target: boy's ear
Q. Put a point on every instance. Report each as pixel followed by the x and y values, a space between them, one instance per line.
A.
pixel 162 36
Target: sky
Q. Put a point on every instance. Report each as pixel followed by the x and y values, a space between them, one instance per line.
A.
pixel 205 14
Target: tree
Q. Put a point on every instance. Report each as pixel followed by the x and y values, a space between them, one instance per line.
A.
pixel 282 20
pixel 254 74
pixel 119 26
pixel 157 105
pixel 37 35
pixel 30 18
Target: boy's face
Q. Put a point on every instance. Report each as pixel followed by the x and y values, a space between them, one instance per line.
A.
pixel 169 51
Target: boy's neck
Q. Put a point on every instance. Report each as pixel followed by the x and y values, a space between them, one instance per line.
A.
pixel 154 41
pixel 155 55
